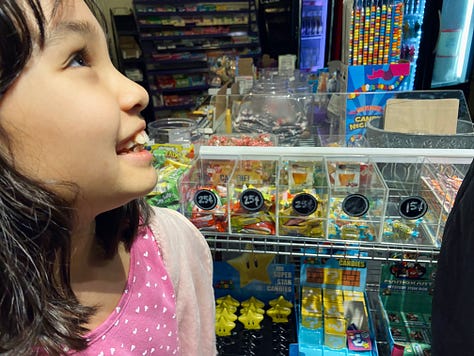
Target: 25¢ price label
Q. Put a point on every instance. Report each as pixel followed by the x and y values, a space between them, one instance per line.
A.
pixel 205 199
pixel 413 207
pixel 304 204
pixel 251 199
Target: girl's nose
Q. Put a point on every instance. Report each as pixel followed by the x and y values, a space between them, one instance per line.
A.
pixel 133 97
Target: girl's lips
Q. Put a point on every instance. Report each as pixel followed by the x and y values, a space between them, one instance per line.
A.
pixel 140 155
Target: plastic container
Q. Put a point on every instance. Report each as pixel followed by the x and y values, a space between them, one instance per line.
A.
pixel 378 137
pixel 172 130
pixel 282 115
pixel 357 200
pixel 252 193
pixel 303 193
pixel 203 193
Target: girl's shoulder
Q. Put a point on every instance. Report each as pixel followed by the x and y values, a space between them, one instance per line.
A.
pixel 179 241
pixel 170 224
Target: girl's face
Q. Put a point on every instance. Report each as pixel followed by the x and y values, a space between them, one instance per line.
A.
pixel 72 116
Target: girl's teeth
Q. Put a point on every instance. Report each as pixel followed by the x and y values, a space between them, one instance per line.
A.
pixel 141 138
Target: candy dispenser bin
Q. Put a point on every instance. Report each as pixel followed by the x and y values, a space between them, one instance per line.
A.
pixel 440 184
pixel 303 194
pixel 357 199
pixel 405 207
pixel 204 193
pixel 252 193
pixel 421 195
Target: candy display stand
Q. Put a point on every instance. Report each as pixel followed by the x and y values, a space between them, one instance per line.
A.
pixel 408 181
pixel 373 205
pixel 334 318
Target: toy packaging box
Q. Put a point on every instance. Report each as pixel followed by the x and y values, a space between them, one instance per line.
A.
pixel 333 317
pixel 377 84
pixel 254 305
pixel 406 294
pixel 367 89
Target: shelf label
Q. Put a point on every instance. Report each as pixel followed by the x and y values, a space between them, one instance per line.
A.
pixel 304 204
pixel 251 200
pixel 205 199
pixel 355 205
pixel 413 207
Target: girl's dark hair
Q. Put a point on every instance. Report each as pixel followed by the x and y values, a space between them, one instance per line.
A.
pixel 38 309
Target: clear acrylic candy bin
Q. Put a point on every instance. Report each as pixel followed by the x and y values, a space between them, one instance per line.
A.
pixel 421 196
pixel 303 194
pixel 204 194
pixel 252 194
pixel 357 199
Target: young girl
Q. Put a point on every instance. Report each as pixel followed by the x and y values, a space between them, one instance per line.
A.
pixel 85 266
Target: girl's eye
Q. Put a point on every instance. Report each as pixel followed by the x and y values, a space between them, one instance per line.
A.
pixel 80 59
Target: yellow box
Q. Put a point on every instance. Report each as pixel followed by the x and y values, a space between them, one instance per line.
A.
pixel 334 310
pixel 333 296
pixel 335 325
pixel 311 306
pixel 311 292
pixel 335 332
pixel 312 322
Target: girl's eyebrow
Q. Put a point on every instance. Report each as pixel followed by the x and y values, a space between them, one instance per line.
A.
pixel 65 28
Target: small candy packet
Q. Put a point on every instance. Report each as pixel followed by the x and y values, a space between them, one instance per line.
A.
pixel 358 340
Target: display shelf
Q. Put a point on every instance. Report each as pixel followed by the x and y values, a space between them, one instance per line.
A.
pixel 128 54
pixel 184 36
pixel 297 247
pixel 405 169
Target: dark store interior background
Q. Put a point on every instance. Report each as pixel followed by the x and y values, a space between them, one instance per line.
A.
pixel 278 21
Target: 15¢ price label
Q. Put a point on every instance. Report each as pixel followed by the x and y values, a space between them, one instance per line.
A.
pixel 304 204
pixel 205 199
pixel 251 199
pixel 413 207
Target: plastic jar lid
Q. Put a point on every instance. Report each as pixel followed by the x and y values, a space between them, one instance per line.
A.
pixel 172 130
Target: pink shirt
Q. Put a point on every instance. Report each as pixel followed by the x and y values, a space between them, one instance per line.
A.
pixel 144 321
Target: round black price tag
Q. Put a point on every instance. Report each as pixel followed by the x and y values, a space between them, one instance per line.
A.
pixel 251 199
pixel 205 199
pixel 413 207
pixel 355 205
pixel 304 204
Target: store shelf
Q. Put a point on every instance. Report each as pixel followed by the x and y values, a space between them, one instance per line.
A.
pixel 184 37
pixel 128 54
pixel 296 247
pixel 392 163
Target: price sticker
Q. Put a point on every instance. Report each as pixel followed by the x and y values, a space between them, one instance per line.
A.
pixel 251 199
pixel 355 205
pixel 304 204
pixel 205 199
pixel 413 207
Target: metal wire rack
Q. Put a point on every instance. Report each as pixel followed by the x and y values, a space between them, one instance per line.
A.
pixel 296 247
